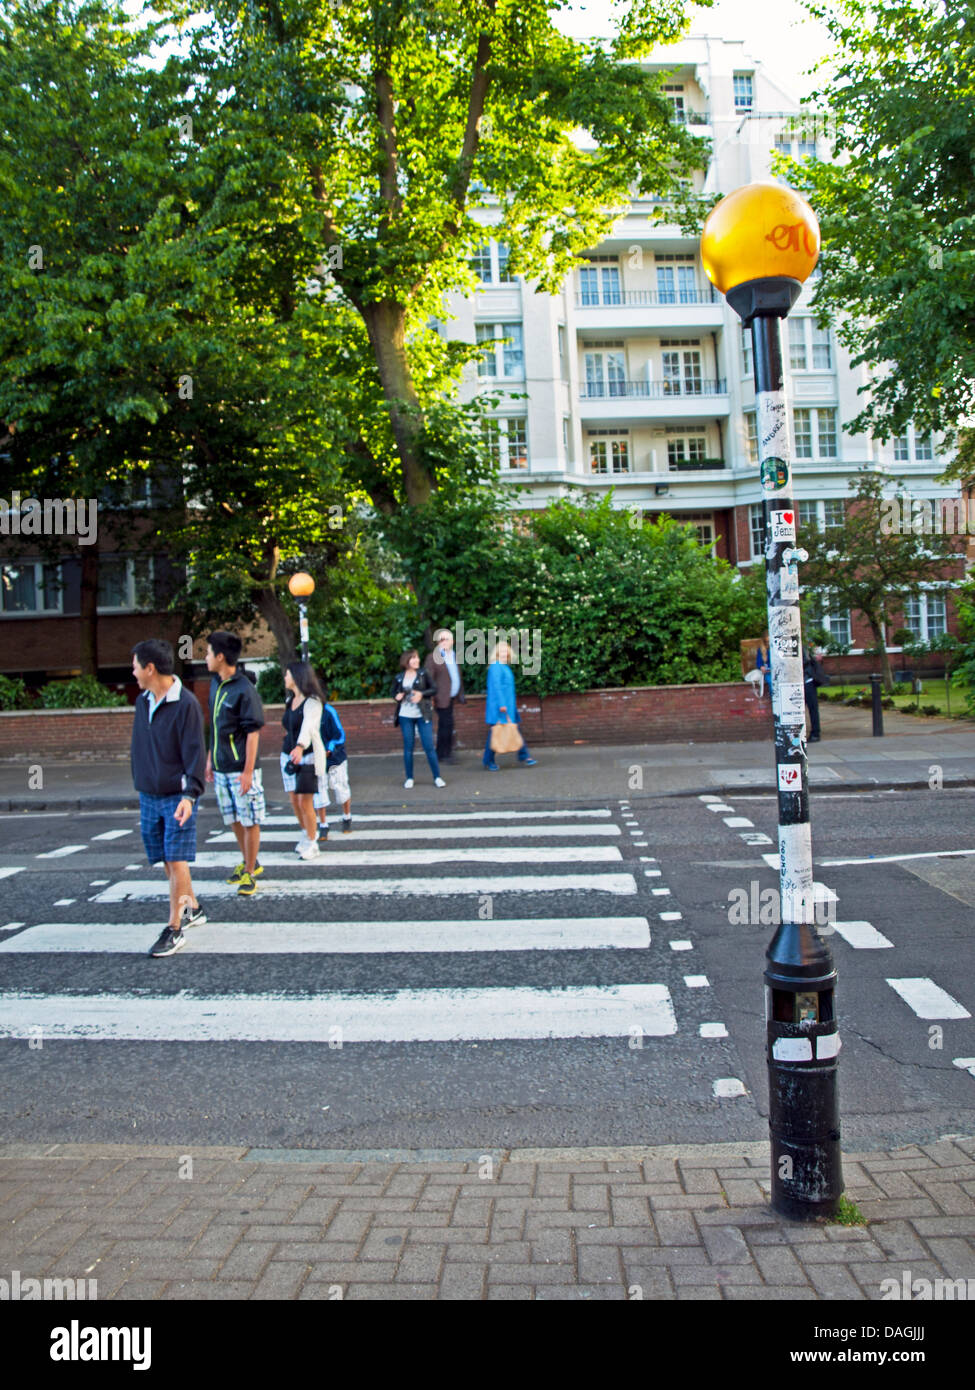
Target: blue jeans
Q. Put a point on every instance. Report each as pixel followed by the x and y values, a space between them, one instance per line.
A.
pixel 491 757
pixel 406 727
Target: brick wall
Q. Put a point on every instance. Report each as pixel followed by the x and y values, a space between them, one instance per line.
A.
pixel 648 714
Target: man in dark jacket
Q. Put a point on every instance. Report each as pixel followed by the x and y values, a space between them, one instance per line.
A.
pixel 236 720
pixel 813 676
pixel 168 756
pixel 443 669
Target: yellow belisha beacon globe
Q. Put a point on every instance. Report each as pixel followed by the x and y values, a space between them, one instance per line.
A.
pixel 758 246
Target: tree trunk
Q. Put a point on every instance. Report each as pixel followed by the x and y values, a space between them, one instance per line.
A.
pixel 274 613
pixel 386 324
pixel 878 634
pixel 89 610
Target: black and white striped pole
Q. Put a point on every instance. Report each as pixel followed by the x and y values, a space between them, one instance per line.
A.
pixel 758 246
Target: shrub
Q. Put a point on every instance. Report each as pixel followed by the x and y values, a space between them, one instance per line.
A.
pixel 930 709
pixel 14 694
pixel 83 692
pixel 270 685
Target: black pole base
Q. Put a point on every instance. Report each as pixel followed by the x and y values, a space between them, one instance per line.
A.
pixel 816 1185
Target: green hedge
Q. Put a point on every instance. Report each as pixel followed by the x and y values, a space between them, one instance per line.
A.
pixel 83 692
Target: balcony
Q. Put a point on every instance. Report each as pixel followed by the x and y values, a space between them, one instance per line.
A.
pixel 632 401
pixel 629 310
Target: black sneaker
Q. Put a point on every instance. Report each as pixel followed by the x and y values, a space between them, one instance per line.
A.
pixel 169 942
pixel 192 917
pixel 346 824
pixel 322 834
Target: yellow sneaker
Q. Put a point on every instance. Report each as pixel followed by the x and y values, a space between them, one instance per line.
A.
pixel 247 886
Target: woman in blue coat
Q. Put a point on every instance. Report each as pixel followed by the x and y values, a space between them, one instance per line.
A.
pixel 501 704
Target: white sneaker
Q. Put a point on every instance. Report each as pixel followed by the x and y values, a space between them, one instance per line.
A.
pixel 409 782
pixel 309 850
pixel 439 782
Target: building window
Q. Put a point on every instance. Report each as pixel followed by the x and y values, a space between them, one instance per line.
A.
pixel 746 351
pixel 691 451
pixel 560 331
pixel 902 451
pixel 610 455
pixel 675 95
pixel 565 438
pixel 814 432
pixel 682 373
pixel 481 263
pixel 490 263
pixel 912 446
pixel 925 616
pixel 756 522
pixel 30 586
pixel 751 428
pixel 703 523
pixel 605 374
pixel 923 448
pixel 600 284
pixel 809 345
pixel 500 358
pixel 676 280
pixel 124 583
pixel 507 441
pixel 744 91
pixel 824 514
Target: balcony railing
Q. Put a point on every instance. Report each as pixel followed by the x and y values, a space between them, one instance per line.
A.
pixel 692 117
pixel 641 299
pixel 650 390
pixel 693 465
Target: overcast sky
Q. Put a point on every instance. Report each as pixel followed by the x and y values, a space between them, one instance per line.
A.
pixel 781 34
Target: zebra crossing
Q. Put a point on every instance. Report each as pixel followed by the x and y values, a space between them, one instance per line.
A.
pixel 375 895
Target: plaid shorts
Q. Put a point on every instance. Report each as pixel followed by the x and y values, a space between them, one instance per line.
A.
pixel 336 779
pixel 162 836
pixel 234 806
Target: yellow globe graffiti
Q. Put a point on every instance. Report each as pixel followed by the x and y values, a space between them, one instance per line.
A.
pixel 760 231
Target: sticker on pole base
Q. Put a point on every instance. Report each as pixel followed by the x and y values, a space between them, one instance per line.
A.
pixel 790 777
pixel 774 474
pixel 783 526
pixel 790 702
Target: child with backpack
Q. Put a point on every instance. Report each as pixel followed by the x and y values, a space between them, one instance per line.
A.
pixel 336 773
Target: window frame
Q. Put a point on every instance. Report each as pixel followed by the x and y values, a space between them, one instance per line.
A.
pixel 40 587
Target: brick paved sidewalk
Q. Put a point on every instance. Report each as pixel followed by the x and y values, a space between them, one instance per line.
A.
pixel 685 1222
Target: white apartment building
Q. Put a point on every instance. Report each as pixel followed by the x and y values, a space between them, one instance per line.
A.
pixel 637 376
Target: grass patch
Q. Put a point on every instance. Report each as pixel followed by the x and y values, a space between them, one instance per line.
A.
pixel 849 1214
pixel 934 699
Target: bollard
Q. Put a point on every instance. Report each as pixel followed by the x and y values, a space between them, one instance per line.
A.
pixel 803 1047
pixel 878 712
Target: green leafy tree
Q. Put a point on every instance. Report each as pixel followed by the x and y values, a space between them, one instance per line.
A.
pixel 86 151
pixel 870 565
pixel 897 205
pixel 393 124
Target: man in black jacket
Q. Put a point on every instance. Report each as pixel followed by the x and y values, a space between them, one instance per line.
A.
pixel 168 756
pixel 236 720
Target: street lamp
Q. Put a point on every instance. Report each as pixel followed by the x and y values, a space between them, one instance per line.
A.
pixel 758 245
pixel 302 586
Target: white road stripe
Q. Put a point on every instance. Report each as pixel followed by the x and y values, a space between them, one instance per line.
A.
pixel 727 1087
pixel 358 938
pixel 467 832
pixel 719 806
pixel 772 860
pixel 111 834
pixel 927 999
pixel 9 873
pixel 735 822
pixel 438 1015
pixel 455 817
pixel 713 1030
pixel 395 858
pixel 967 1063
pixel 861 935
pixel 896 858
pixel 60 853
pixel 142 890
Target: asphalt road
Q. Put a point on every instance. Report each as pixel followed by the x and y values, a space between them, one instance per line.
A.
pixel 257 1046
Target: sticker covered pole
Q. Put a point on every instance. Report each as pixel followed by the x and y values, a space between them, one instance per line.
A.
pixel 758 246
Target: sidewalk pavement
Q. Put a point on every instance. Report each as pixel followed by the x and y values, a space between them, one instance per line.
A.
pixel 848 758
pixel 681 1222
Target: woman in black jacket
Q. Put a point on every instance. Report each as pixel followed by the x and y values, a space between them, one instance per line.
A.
pixel 412 691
